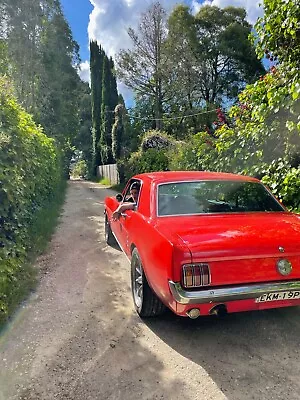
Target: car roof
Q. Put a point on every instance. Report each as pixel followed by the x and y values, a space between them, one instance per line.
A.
pixel 173 176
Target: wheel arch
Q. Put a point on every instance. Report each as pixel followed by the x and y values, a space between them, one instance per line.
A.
pixel 132 247
pixel 156 254
pixel 149 303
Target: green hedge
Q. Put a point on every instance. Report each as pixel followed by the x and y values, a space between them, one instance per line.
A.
pixel 284 182
pixel 152 155
pixel 30 177
pixel 146 161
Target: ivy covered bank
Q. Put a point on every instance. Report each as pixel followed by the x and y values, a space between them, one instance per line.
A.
pixel 30 183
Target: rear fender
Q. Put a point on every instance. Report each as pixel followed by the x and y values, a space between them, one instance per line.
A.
pixel 156 255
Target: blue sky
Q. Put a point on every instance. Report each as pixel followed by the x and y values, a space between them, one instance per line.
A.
pixel 77 13
pixel 107 21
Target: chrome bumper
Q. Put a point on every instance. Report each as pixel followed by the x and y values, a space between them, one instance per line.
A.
pixel 230 293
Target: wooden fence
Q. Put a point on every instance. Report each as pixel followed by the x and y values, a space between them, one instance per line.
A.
pixel 110 172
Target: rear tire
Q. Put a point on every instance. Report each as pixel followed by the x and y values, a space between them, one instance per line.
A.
pixel 109 237
pixel 146 303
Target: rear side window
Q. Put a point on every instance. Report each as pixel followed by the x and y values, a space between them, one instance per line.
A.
pixel 199 197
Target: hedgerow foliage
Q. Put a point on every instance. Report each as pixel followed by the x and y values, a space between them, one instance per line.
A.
pixel 155 139
pixel 152 155
pixel 30 174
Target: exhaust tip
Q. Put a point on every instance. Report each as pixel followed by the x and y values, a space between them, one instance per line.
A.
pixel 193 313
pixel 218 310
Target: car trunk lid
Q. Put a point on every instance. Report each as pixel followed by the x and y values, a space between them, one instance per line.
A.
pixel 241 248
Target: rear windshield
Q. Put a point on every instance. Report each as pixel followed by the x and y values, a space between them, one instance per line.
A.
pixel 214 197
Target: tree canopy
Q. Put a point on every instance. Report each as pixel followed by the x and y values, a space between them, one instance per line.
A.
pixel 42 60
pixel 185 64
pixel 144 68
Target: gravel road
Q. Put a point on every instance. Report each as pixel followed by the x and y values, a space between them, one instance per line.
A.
pixel 78 337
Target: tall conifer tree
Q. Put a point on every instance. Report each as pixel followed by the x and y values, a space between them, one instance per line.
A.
pixel 105 149
pixel 41 60
pixel 96 66
pixel 109 102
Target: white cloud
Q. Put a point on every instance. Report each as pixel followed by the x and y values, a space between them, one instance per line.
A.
pixel 251 6
pixel 195 6
pixel 126 93
pixel 84 71
pixel 110 20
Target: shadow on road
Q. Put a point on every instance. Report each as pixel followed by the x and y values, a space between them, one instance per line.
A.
pixel 250 355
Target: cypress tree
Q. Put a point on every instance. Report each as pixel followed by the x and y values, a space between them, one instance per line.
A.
pixel 105 144
pixel 117 140
pixel 113 98
pixel 112 86
pixel 118 132
pixel 109 102
pixel 96 68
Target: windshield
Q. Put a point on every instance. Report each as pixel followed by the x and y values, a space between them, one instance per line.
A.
pixel 214 197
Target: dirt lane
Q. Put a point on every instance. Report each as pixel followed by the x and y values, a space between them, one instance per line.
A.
pixel 79 338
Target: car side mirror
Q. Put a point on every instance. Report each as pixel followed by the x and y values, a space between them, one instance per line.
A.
pixel 119 197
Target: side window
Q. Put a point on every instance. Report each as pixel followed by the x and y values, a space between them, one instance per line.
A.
pixel 126 192
pixel 132 191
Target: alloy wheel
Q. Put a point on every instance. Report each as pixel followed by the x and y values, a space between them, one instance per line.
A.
pixel 138 282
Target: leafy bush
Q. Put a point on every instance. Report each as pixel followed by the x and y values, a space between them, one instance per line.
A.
pixel 284 182
pixel 278 31
pixel 30 177
pixel 146 161
pixel 156 140
pixel 80 169
pixel 197 154
pixel 152 156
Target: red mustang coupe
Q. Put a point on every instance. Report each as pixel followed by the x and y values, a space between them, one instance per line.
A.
pixel 205 243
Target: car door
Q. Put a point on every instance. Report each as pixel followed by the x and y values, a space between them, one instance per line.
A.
pixel 125 222
pixel 124 229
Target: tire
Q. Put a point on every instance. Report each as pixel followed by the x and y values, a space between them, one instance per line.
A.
pixel 109 237
pixel 146 303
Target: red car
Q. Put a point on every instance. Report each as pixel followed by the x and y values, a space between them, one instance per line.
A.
pixel 204 243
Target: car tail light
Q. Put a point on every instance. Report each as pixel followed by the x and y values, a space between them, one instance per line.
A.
pixel 195 275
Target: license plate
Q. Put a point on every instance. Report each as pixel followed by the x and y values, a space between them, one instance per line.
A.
pixel 290 295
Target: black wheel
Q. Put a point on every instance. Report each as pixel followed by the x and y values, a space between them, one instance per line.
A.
pixel 146 303
pixel 109 237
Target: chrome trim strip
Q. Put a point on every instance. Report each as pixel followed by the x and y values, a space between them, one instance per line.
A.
pixel 229 293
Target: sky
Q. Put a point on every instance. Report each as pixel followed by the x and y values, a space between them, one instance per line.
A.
pixel 107 22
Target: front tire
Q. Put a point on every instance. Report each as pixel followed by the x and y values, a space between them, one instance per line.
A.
pixel 109 237
pixel 146 303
